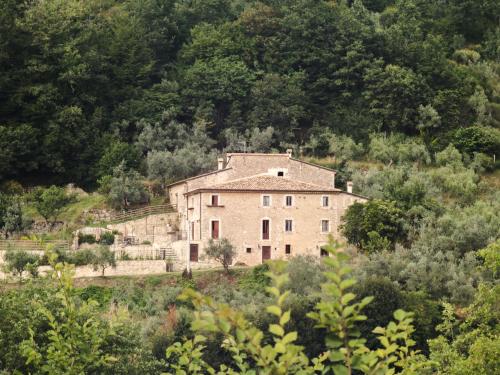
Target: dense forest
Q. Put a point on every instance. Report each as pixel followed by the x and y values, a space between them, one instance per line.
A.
pixel 86 84
pixel 121 97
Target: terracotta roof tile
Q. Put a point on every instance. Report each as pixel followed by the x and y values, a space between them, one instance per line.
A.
pixel 267 183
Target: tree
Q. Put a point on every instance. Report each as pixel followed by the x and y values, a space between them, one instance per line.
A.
pixel 103 258
pixel 19 261
pixel 124 187
pixel 13 218
pixel 51 201
pixel 221 251
pixel 373 219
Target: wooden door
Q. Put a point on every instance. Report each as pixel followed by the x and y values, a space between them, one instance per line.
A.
pixel 193 252
pixel 266 253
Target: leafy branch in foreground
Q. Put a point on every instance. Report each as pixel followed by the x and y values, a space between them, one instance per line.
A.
pixel 76 335
pixel 275 351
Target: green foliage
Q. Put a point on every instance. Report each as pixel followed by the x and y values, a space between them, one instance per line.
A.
pixel 124 188
pixel 107 238
pixel 103 258
pixel 477 139
pixel 257 279
pixel 51 201
pixel 19 261
pixel 83 82
pixel 397 149
pixel 222 251
pixel 373 225
pixel 86 238
pixel 280 355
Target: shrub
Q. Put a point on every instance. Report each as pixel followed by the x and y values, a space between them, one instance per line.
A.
pixel 81 257
pixel 257 279
pixel 20 261
pixel 373 223
pixel 86 238
pixel 337 313
pixel 107 238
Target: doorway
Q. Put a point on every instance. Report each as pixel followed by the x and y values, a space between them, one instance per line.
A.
pixel 266 253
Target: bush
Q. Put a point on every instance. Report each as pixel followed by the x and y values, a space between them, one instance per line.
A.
pixel 81 257
pixel 375 222
pixel 86 238
pixel 474 139
pixel 257 279
pixel 20 261
pixel 107 238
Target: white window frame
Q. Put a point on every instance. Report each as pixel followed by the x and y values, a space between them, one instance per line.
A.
pixel 262 232
pixel 293 201
pixel 292 229
pixel 220 228
pixel 321 225
pixel 262 200
pixel 321 202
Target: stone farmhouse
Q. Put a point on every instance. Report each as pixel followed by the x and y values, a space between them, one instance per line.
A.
pixel 269 206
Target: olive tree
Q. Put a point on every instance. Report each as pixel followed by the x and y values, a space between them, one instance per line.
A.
pixel 222 251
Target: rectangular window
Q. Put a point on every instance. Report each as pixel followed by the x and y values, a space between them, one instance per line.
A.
pixel 215 200
pixel 288 249
pixel 266 200
pixel 288 201
pixel 323 253
pixel 249 250
pixel 288 225
pixel 265 229
pixel 215 229
pixel 325 226
pixel 281 174
pixel 325 201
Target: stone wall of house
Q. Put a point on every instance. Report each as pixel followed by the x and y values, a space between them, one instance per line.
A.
pixel 160 228
pixel 241 215
pixel 244 165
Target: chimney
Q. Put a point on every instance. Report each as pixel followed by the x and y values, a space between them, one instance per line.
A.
pixel 220 163
pixel 289 152
pixel 349 186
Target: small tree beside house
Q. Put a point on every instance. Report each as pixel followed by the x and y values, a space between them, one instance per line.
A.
pixel 221 251
pixel 103 258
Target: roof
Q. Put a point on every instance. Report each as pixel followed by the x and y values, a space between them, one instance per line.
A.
pixel 200 175
pixel 267 183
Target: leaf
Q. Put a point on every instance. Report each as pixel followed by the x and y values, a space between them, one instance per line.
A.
pixel 276 329
pixel 399 314
pixel 336 356
pixel 289 337
pixel 275 310
pixel 347 298
pixel 285 318
pixel 347 283
pixel 340 370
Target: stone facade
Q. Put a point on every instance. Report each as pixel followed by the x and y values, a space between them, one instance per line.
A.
pixel 298 225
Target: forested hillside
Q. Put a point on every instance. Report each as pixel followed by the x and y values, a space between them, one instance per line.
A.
pixel 86 84
pixel 121 97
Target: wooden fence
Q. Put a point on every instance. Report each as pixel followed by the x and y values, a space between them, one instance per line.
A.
pixel 139 213
pixel 30 245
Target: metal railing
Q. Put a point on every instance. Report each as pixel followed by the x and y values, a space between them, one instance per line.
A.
pixel 139 213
